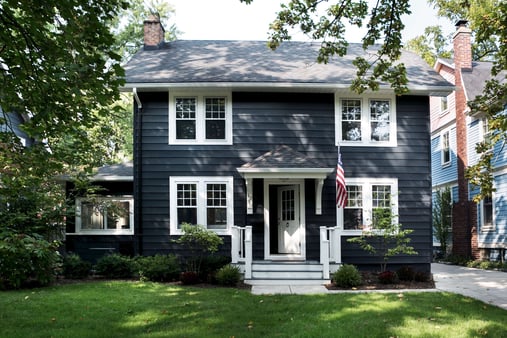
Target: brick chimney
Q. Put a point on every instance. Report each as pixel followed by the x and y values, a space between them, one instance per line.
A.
pixel 462 43
pixel 153 32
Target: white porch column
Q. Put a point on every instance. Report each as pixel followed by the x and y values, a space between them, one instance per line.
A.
pixel 235 244
pixel 248 252
pixel 324 252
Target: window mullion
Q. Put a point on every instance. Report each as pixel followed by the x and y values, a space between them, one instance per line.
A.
pixel 365 121
pixel 367 204
pixel 201 204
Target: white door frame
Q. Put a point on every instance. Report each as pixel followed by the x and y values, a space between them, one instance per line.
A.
pixel 302 219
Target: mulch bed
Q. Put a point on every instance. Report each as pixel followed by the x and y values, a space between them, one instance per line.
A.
pixel 370 282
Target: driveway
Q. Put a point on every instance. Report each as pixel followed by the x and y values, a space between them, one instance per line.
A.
pixel 485 285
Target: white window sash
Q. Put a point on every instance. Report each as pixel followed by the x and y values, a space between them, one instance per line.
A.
pixel 79 222
pixel 202 208
pixel 200 117
pixel 366 137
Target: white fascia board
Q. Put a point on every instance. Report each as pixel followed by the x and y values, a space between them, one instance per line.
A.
pixel 112 178
pixel 317 173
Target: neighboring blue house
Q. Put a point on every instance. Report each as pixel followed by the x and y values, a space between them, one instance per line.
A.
pixel 11 122
pixel 244 140
pixel 478 230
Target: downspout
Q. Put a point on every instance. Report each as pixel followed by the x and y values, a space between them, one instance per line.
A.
pixel 138 119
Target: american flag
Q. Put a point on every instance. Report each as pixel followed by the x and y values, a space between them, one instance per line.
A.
pixel 341 189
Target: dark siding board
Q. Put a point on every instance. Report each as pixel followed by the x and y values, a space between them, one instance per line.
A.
pixel 262 121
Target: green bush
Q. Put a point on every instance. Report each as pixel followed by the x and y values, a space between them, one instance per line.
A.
pixel 75 267
pixel 387 277
pixel 210 265
pixel 158 268
pixel 421 276
pixel 189 278
pixel 406 273
pixel 115 266
pixel 346 276
pixel 228 275
pixel 27 260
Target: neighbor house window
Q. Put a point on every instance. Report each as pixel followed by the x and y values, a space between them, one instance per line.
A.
pixel 366 121
pixel 207 201
pixel 105 215
pixel 443 105
pixel 445 148
pixel 200 119
pixel 487 222
pixel 366 199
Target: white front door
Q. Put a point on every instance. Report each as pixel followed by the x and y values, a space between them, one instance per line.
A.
pixel 289 229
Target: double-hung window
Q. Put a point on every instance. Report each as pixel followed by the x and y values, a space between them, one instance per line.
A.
pixel 366 121
pixel 105 215
pixel 487 221
pixel 207 201
pixel 445 148
pixel 196 118
pixel 369 201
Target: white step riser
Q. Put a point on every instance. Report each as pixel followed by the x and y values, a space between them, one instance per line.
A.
pixel 286 267
pixel 286 275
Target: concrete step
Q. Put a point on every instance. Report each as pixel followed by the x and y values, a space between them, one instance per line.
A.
pixel 287 282
pixel 287 275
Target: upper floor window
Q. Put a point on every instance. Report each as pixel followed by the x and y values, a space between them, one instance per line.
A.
pixel 368 199
pixel 445 148
pixel 207 201
pixel 200 119
pixel 105 215
pixel 487 222
pixel 366 121
pixel 444 105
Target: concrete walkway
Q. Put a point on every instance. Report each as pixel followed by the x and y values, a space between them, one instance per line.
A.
pixel 485 285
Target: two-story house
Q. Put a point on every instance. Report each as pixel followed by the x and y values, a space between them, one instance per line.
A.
pixel 244 141
pixel 478 230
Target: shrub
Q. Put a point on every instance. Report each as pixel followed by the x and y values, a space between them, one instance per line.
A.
pixel 189 277
pixel 75 267
pixel 346 276
pixel 115 266
pixel 406 273
pixel 158 268
pixel 421 276
pixel 210 265
pixel 228 275
pixel 200 242
pixel 387 277
pixel 26 259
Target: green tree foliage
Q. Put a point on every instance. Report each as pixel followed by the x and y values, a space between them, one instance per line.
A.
pixel 431 45
pixel 59 71
pixel 327 22
pixel 386 239
pixel 200 242
pixel 442 217
pixel 127 26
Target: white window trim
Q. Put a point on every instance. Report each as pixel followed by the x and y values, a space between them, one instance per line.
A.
pixel 201 200
pixel 78 221
pixel 441 140
pixel 492 227
pixel 200 117
pixel 446 110
pixel 365 121
pixel 367 184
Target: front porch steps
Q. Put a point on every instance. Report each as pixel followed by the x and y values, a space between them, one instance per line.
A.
pixel 286 273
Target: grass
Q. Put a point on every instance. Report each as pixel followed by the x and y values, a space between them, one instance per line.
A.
pixel 136 309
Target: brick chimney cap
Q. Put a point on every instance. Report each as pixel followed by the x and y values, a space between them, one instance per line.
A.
pixel 155 17
pixel 461 23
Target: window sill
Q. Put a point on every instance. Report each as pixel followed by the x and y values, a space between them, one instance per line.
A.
pixel 367 144
pixel 224 232
pixel 101 233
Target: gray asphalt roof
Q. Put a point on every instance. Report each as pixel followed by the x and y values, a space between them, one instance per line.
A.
pixel 283 157
pixel 122 171
pixel 475 80
pixel 198 61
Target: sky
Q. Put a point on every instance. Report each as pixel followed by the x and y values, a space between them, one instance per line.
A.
pixel 234 20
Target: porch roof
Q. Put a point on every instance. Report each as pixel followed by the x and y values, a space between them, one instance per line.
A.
pixel 285 163
pixel 285 160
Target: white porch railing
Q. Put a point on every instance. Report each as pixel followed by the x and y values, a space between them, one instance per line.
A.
pixel 241 248
pixel 330 251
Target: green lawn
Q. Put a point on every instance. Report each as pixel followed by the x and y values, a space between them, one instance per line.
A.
pixel 136 309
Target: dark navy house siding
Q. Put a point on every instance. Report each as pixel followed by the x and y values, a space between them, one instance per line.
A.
pixel 261 122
